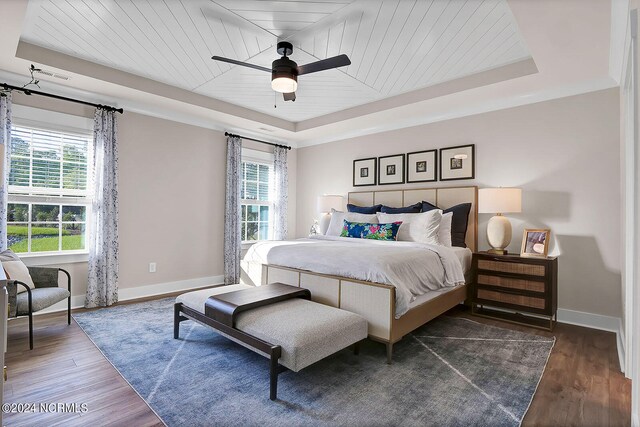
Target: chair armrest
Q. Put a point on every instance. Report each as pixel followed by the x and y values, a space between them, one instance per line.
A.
pixel 12 290
pixel 44 277
pixel 68 279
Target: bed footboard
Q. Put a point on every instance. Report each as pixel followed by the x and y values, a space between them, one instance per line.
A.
pixel 373 301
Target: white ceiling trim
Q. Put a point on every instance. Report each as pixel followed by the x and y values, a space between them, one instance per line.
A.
pixel 145 109
pixel 486 107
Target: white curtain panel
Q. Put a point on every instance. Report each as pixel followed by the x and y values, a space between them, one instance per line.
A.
pixel 102 289
pixel 232 212
pixel 5 146
pixel 281 188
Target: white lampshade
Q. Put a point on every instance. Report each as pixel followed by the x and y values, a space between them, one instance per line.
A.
pixel 328 202
pixel 499 200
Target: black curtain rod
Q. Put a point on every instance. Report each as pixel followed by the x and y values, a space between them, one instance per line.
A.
pixel 64 98
pixel 257 140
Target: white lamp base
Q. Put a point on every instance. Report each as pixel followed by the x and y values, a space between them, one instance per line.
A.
pixel 324 223
pixel 499 234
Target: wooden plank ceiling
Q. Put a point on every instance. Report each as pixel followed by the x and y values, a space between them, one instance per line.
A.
pixel 395 46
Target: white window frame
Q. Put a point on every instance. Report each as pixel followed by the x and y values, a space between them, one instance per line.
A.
pixel 35 118
pixel 261 158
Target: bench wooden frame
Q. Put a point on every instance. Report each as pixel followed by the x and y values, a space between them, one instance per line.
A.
pixel 266 349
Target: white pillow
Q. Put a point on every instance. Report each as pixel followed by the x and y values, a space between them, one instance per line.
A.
pixel 415 227
pixel 16 270
pixel 444 232
pixel 337 220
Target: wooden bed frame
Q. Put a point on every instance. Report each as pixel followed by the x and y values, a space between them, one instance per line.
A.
pixel 376 301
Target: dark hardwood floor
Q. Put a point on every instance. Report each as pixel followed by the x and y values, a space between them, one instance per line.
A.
pixel 582 384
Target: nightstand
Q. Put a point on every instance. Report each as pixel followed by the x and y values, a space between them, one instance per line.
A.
pixel 515 289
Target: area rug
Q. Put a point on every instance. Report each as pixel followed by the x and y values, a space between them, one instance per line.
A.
pixel 450 372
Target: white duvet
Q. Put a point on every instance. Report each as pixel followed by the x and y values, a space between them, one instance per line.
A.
pixel 413 268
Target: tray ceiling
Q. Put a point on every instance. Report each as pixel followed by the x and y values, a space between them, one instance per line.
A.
pixel 396 46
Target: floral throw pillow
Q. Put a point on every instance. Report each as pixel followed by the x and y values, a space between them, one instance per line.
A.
pixel 366 230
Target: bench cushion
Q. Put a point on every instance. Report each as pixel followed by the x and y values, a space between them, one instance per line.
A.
pixel 306 331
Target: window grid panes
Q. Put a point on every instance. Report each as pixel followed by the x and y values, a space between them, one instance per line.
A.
pixel 48 162
pixel 48 191
pixel 256 205
pixel 39 227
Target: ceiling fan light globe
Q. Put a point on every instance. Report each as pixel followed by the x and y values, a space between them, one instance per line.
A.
pixel 284 84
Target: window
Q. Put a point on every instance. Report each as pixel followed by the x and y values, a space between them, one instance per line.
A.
pixel 256 199
pixel 49 198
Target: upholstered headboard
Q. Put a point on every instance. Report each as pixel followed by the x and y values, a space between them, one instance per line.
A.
pixel 444 197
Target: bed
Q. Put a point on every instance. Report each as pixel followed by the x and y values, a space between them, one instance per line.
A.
pixel 390 316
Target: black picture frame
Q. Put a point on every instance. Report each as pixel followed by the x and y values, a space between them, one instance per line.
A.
pixel 446 154
pixel 382 171
pixel 411 165
pixel 371 174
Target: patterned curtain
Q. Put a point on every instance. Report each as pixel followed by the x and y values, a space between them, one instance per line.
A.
pixel 102 289
pixel 281 188
pixel 5 142
pixel 232 212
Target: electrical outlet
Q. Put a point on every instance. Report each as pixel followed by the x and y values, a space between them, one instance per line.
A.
pixel 152 267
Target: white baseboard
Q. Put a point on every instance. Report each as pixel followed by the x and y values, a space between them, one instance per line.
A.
pixel 597 321
pixel 125 294
pixel 622 356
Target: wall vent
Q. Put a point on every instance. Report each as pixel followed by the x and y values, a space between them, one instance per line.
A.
pixel 52 74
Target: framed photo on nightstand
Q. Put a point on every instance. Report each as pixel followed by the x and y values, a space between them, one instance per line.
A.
pixel 535 243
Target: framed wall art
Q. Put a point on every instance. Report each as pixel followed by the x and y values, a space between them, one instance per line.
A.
pixel 364 172
pixel 535 242
pixel 457 162
pixel 391 169
pixel 422 166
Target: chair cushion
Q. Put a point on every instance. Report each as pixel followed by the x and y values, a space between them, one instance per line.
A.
pixel 41 299
pixel 16 270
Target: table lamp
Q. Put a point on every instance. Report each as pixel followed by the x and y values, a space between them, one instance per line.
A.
pixel 499 201
pixel 325 204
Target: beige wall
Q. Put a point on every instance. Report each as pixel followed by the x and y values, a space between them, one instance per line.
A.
pixel 171 192
pixel 564 154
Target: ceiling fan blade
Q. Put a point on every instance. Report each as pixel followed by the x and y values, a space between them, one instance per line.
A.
pixel 324 64
pixel 244 64
pixel 291 96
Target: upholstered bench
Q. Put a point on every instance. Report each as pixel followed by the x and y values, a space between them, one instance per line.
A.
pixel 293 332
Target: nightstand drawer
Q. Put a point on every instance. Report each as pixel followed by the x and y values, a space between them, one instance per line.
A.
pixel 519 300
pixel 512 267
pixel 511 283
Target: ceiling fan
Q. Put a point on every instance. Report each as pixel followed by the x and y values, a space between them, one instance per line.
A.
pixel 285 72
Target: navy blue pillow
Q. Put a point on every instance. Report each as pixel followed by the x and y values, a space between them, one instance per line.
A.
pixel 364 209
pixel 459 221
pixel 426 207
pixel 407 209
